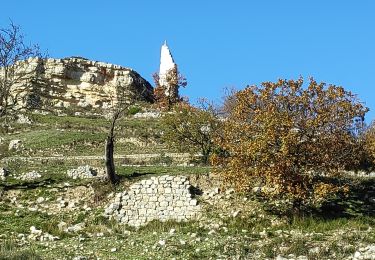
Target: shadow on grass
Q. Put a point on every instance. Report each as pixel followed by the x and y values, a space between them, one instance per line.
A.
pixel 27 184
pixel 359 201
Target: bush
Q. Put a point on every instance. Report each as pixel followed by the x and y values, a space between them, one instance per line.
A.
pixel 190 129
pixel 368 157
pixel 134 110
pixel 285 137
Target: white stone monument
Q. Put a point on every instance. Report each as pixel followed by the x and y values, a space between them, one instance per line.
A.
pixel 166 64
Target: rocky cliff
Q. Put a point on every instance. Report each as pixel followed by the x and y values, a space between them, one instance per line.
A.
pixel 79 82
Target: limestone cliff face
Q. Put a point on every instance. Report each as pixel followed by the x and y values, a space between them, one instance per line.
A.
pixel 80 82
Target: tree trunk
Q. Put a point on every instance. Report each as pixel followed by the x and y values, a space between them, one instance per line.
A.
pixel 109 161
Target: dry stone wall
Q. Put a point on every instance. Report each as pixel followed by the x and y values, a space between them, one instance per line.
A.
pixel 158 198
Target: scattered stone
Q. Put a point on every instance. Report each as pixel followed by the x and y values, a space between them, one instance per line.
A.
pixel 114 249
pixel 161 242
pixel 38 235
pixel 366 253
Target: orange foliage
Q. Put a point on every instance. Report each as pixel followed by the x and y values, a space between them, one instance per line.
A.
pixel 167 96
pixel 284 136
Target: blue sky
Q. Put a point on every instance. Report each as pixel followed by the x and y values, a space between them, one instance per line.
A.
pixel 216 44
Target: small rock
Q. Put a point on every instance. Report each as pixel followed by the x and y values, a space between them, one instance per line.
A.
pixel 23 119
pixel 3 173
pixel 15 145
pixel 40 200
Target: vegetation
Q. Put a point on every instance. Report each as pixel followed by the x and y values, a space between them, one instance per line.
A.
pixel 14 66
pixel 286 138
pixel 368 139
pixel 168 94
pixel 191 129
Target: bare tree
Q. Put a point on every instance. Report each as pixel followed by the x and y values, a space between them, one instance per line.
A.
pixel 15 66
pixel 121 105
pixel 109 150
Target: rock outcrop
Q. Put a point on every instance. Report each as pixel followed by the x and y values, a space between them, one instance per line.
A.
pixel 78 82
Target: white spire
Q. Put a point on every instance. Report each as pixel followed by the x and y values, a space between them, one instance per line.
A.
pixel 166 63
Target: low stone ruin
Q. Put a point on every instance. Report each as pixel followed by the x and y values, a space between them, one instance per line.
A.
pixel 29 176
pixel 147 115
pixel 158 198
pixel 82 172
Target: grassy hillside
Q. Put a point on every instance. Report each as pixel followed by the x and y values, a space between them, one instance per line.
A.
pixel 232 225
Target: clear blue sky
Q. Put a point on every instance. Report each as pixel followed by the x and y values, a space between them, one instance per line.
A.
pixel 216 44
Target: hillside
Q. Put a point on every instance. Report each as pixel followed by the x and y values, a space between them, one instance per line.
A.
pixel 57 210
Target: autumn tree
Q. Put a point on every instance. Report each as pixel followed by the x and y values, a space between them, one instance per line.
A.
pixel 285 136
pixel 15 67
pixel 368 153
pixel 167 94
pixel 191 129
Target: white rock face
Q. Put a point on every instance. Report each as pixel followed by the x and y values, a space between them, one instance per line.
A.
pixel 80 82
pixel 166 64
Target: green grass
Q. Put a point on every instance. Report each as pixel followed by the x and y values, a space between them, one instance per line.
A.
pixel 9 250
pixel 135 171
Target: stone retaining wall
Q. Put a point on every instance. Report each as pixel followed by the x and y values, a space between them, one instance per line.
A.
pixel 158 198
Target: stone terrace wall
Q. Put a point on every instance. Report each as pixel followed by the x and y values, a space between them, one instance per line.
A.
pixel 159 198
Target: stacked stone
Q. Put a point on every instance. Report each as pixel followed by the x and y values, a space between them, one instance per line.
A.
pixel 82 172
pixel 29 176
pixel 159 198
